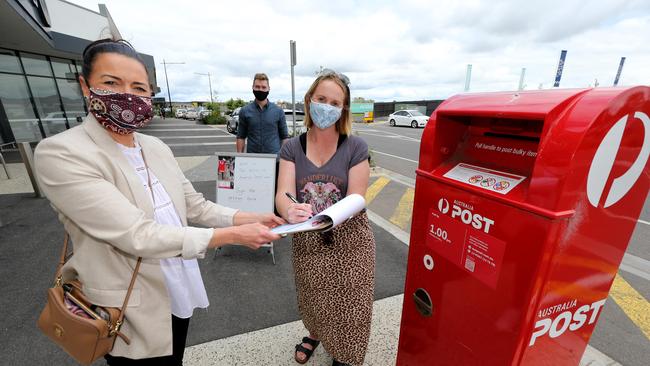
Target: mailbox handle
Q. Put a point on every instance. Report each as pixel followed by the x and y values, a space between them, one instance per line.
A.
pixel 423 302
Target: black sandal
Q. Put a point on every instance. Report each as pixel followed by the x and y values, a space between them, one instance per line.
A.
pixel 308 352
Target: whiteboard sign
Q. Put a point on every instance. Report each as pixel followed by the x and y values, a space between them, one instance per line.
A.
pixel 246 181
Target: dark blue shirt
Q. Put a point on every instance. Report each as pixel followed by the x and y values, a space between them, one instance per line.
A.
pixel 264 128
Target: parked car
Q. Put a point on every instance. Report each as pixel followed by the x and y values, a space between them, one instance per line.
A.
pixel 180 113
pixel 204 113
pixel 300 122
pixel 409 117
pixel 233 121
pixel 192 113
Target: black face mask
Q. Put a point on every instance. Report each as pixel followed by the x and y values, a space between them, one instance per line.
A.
pixel 260 95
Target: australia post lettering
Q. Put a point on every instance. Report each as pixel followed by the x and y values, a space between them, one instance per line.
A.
pixel 463 212
pixel 556 321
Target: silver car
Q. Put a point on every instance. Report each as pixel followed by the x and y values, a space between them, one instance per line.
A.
pixel 233 121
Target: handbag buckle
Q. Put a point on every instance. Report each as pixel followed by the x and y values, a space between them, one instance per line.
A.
pixel 116 328
pixel 58 281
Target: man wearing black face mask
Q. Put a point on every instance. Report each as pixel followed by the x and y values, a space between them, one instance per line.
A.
pixel 261 122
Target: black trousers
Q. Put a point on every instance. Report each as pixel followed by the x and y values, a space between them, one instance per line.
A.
pixel 179 336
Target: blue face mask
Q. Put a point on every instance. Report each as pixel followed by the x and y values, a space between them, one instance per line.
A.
pixel 324 115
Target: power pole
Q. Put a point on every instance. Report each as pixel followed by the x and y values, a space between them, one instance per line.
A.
pixel 468 77
pixel 521 78
pixel 209 83
pixel 169 94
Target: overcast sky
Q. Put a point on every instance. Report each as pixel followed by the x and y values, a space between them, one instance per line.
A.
pixel 390 50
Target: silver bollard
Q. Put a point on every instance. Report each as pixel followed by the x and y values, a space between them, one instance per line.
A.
pixel 28 159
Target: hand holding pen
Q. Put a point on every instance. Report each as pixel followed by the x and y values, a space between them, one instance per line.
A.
pixel 298 212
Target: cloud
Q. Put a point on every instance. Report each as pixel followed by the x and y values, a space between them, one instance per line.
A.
pixel 391 50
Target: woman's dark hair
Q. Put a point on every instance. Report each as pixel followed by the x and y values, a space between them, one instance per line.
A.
pixel 107 45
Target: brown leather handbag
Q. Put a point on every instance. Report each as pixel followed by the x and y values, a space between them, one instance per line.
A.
pixel 85 338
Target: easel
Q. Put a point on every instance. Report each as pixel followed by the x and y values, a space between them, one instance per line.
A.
pixel 246 182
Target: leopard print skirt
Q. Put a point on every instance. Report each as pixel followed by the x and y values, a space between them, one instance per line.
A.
pixel 335 280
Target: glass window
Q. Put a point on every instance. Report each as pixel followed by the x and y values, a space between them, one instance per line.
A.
pixel 15 100
pixel 47 104
pixel 72 100
pixel 9 62
pixel 63 68
pixel 35 64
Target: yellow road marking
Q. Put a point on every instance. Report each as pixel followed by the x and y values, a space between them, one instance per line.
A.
pixel 635 306
pixel 375 188
pixel 402 215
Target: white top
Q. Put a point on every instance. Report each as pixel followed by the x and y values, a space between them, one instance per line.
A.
pixel 182 276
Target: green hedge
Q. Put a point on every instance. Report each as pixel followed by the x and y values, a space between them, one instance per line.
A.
pixel 214 119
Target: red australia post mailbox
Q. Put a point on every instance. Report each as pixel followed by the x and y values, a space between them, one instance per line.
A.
pixel 524 206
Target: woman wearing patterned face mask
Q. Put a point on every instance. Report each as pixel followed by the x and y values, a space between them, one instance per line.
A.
pixel 334 271
pixel 121 195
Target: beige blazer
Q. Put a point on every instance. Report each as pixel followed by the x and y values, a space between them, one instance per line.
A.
pixel 109 216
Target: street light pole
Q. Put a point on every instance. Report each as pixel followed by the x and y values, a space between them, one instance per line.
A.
pixel 169 94
pixel 209 83
pixel 292 56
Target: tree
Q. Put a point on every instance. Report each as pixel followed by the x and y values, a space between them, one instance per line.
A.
pixel 362 100
pixel 214 107
pixel 232 104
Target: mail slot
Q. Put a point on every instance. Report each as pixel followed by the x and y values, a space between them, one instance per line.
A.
pixel 524 206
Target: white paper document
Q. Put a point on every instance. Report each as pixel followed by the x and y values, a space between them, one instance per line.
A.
pixel 485 178
pixel 327 219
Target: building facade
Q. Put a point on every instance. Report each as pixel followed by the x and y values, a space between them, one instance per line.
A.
pixel 41 42
pixel 383 109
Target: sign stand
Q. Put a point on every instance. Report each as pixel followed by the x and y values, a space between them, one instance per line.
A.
pixel 247 182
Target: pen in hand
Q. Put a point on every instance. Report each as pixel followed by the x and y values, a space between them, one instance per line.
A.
pixel 291 197
pixel 294 200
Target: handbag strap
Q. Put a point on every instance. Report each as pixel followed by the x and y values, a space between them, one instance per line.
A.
pixel 63 259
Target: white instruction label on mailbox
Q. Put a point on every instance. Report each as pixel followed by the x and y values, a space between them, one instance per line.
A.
pixel 490 179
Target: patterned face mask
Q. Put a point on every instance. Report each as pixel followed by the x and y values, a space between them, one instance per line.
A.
pixel 324 115
pixel 121 113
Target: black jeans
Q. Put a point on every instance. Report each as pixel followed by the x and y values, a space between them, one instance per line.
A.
pixel 179 336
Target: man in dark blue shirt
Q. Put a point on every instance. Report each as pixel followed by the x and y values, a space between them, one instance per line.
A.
pixel 261 122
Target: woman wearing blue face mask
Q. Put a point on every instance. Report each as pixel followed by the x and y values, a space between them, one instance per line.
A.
pixel 122 196
pixel 334 271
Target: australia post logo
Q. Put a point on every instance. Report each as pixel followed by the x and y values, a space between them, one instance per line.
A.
pixel 557 319
pixel 601 166
pixel 464 212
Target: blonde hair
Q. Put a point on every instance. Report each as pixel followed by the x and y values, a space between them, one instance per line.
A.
pixel 344 124
pixel 261 76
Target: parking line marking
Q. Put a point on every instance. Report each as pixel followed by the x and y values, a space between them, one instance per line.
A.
pixel 635 306
pixel 393 136
pixel 201 144
pixel 192 137
pixel 177 129
pixel 375 188
pixel 402 214
pixel 643 222
pixel 394 156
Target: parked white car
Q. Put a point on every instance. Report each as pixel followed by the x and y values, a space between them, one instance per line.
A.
pixel 409 117
pixel 192 113
pixel 180 113
pixel 300 122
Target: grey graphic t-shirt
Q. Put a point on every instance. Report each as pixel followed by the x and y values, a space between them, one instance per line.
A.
pixel 324 186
